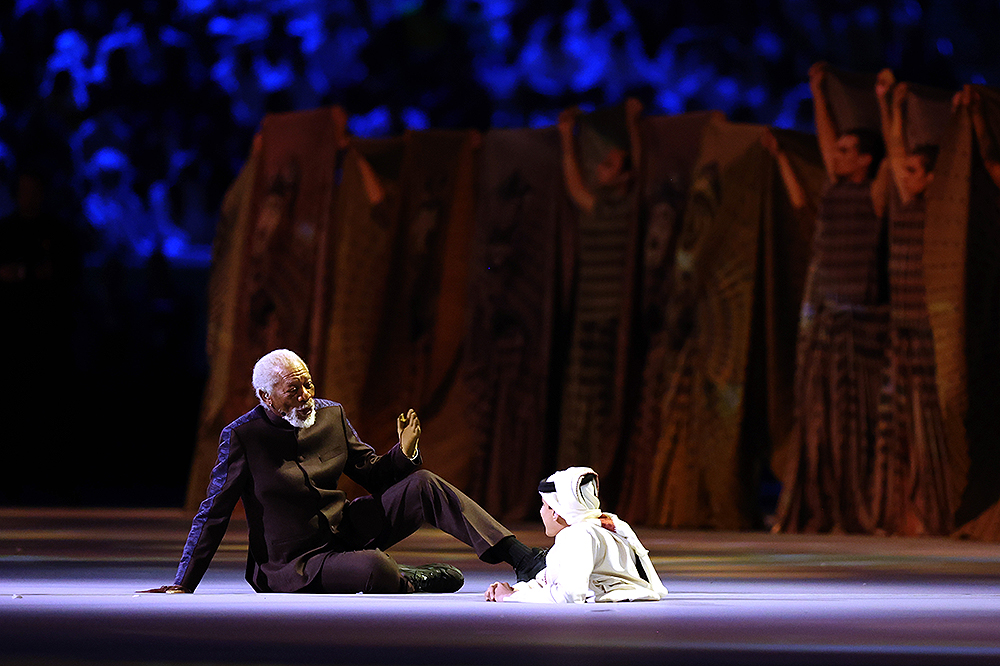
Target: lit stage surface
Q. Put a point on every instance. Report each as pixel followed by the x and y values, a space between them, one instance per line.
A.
pixel 68 581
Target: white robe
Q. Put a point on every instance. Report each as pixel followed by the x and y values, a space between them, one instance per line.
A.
pixel 590 563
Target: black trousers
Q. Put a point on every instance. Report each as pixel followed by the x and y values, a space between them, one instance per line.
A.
pixel 356 561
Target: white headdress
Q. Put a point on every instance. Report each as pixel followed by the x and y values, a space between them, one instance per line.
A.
pixel 572 493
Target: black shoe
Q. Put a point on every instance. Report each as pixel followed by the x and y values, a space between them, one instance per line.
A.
pixel 528 568
pixel 433 578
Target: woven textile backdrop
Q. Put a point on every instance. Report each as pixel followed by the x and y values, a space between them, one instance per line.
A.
pixel 454 293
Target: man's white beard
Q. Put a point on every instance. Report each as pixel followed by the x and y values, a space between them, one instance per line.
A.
pixel 299 422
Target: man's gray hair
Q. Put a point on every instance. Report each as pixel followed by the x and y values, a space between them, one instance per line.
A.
pixel 270 367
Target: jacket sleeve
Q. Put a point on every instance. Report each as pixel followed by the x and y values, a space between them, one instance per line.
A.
pixel 209 525
pixel 371 471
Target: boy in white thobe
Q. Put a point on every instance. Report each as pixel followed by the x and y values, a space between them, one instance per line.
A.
pixel 596 555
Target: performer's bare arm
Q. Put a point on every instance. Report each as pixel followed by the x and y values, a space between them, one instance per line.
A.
pixel 373 187
pixel 880 188
pixel 884 83
pixel 891 98
pixel 826 129
pixel 575 186
pixel 796 193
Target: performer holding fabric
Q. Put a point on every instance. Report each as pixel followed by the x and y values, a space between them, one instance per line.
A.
pixel 909 474
pixel 842 336
pixel 590 421
pixel 596 557
pixel 284 459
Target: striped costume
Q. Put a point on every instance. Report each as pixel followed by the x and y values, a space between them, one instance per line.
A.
pixel 840 362
pixel 589 432
pixel 909 484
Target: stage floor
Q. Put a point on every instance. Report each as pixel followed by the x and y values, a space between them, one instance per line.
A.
pixel 68 580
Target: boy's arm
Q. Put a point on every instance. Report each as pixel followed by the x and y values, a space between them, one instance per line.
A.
pixel 567 573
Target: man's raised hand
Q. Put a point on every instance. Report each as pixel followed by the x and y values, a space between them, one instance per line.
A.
pixel 408 430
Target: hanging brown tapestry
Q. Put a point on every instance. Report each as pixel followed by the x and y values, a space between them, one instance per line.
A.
pixel 963 282
pixel 358 265
pixel 670 146
pixel 695 472
pixel 419 339
pixel 513 279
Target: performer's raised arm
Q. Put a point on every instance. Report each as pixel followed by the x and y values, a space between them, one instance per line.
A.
pixel 372 184
pixel 796 193
pixel 573 176
pixel 826 129
pixel 912 170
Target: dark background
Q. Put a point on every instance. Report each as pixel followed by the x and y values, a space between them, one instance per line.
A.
pixel 134 117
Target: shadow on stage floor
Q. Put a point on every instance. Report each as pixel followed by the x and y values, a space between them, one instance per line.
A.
pixel 68 577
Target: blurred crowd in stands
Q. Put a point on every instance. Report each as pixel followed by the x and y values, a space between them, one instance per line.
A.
pixel 140 113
